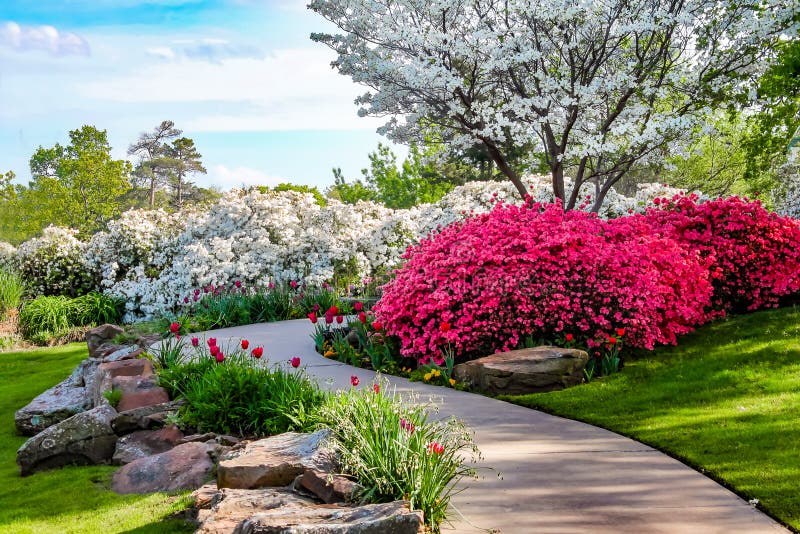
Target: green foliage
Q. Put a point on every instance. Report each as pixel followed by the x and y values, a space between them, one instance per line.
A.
pixel 113 396
pixel 239 396
pixel 75 186
pixel 222 311
pixel 49 317
pixel 311 190
pixel 394 451
pixel 350 193
pixel 12 288
pixel 181 161
pixel 36 503
pixel 725 400
pixel 169 354
pixel 97 308
pixel 275 304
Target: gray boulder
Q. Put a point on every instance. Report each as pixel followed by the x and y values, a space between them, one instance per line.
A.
pixel 96 337
pixel 144 443
pixel 145 417
pixel 274 461
pixel 518 372
pixel 273 510
pixel 84 439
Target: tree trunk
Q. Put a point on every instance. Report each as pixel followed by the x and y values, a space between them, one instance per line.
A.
pixel 152 192
pixel 505 168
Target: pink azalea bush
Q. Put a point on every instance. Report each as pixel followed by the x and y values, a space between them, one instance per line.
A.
pixel 755 254
pixel 534 270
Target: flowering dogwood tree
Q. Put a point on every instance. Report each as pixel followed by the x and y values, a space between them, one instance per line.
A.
pixel 599 86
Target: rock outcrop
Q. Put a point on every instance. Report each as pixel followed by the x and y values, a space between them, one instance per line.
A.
pixel 186 466
pixel 518 372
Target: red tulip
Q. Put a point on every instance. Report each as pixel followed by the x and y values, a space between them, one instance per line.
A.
pixel 313 317
pixel 333 310
pixel 362 317
pixel 238 283
pixel 444 327
pixel 245 344
pixel 569 337
pixel 195 342
pixel 211 341
pixel 354 380
pixel 340 319
pixel 295 362
pixel 220 357
pixel 293 284
pixel 174 328
pixel 435 448
pixel 377 326
pixel 258 352
pixel 376 388
pixel 620 332
pixel 612 340
pixel 358 306
pixel 214 350
pixel 328 318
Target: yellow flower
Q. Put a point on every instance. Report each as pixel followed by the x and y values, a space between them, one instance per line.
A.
pixel 437 373
pixel 427 376
pixel 329 354
pixel 452 381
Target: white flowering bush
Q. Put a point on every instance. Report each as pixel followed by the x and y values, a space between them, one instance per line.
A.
pixel 55 263
pixel 788 195
pixel 153 260
pixel 8 255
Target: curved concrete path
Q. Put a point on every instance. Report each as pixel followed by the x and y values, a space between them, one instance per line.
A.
pixel 558 475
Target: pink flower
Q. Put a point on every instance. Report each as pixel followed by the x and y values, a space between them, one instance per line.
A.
pixel 195 342
pixel 257 352
pixel 328 318
pixel 316 308
pixel 211 341
pixel 174 328
pixel 354 381
pixel 435 448
pixel 312 317
pixel 271 285
pixel 358 306
pixel 245 344
pixel 238 283
pixel 220 357
pixel 339 319
pixel 407 425
pixel 214 350
pixel 295 362
pixel 293 284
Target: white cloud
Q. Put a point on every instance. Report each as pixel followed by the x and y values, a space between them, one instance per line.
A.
pixel 211 50
pixel 230 177
pixel 45 38
pixel 293 89
pixel 162 52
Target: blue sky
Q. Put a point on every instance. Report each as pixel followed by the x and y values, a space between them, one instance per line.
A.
pixel 240 77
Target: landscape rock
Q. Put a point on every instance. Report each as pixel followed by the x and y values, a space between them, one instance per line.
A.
pixel 327 487
pixel 145 417
pixel 58 403
pixel 524 371
pixel 186 466
pixel 84 439
pixel 125 353
pixel 274 461
pixel 100 335
pixel 274 510
pixel 140 394
pixel 144 443
pixel 106 375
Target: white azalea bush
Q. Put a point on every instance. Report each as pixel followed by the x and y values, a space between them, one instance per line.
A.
pixel 55 263
pixel 154 260
pixel 8 255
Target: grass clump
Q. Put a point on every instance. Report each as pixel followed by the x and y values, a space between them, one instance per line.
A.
pixel 396 452
pixel 725 400
pixel 37 503
pixel 12 288
pixel 49 317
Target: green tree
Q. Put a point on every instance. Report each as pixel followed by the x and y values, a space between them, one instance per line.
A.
pixel 152 168
pixel 182 160
pixel 313 191
pixel 350 192
pixel 79 185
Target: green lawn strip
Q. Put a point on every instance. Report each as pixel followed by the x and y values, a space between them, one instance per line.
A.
pixel 725 400
pixel 73 499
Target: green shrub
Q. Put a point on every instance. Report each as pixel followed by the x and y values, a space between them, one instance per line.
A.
pixel 276 304
pixel 239 396
pixel 395 452
pixel 12 288
pixel 95 308
pixel 222 311
pixel 46 317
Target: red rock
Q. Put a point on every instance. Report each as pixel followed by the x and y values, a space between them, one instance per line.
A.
pixel 184 467
pixel 329 488
pixel 143 397
pixel 143 443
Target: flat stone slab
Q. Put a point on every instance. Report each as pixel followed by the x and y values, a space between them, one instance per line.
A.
pixel 274 461
pixel 184 467
pixel 274 510
pixel 329 488
pixel 145 417
pixel 522 371
pixel 96 337
pixel 84 439
pixel 144 443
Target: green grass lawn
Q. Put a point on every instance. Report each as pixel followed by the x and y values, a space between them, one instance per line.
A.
pixel 726 400
pixel 73 499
